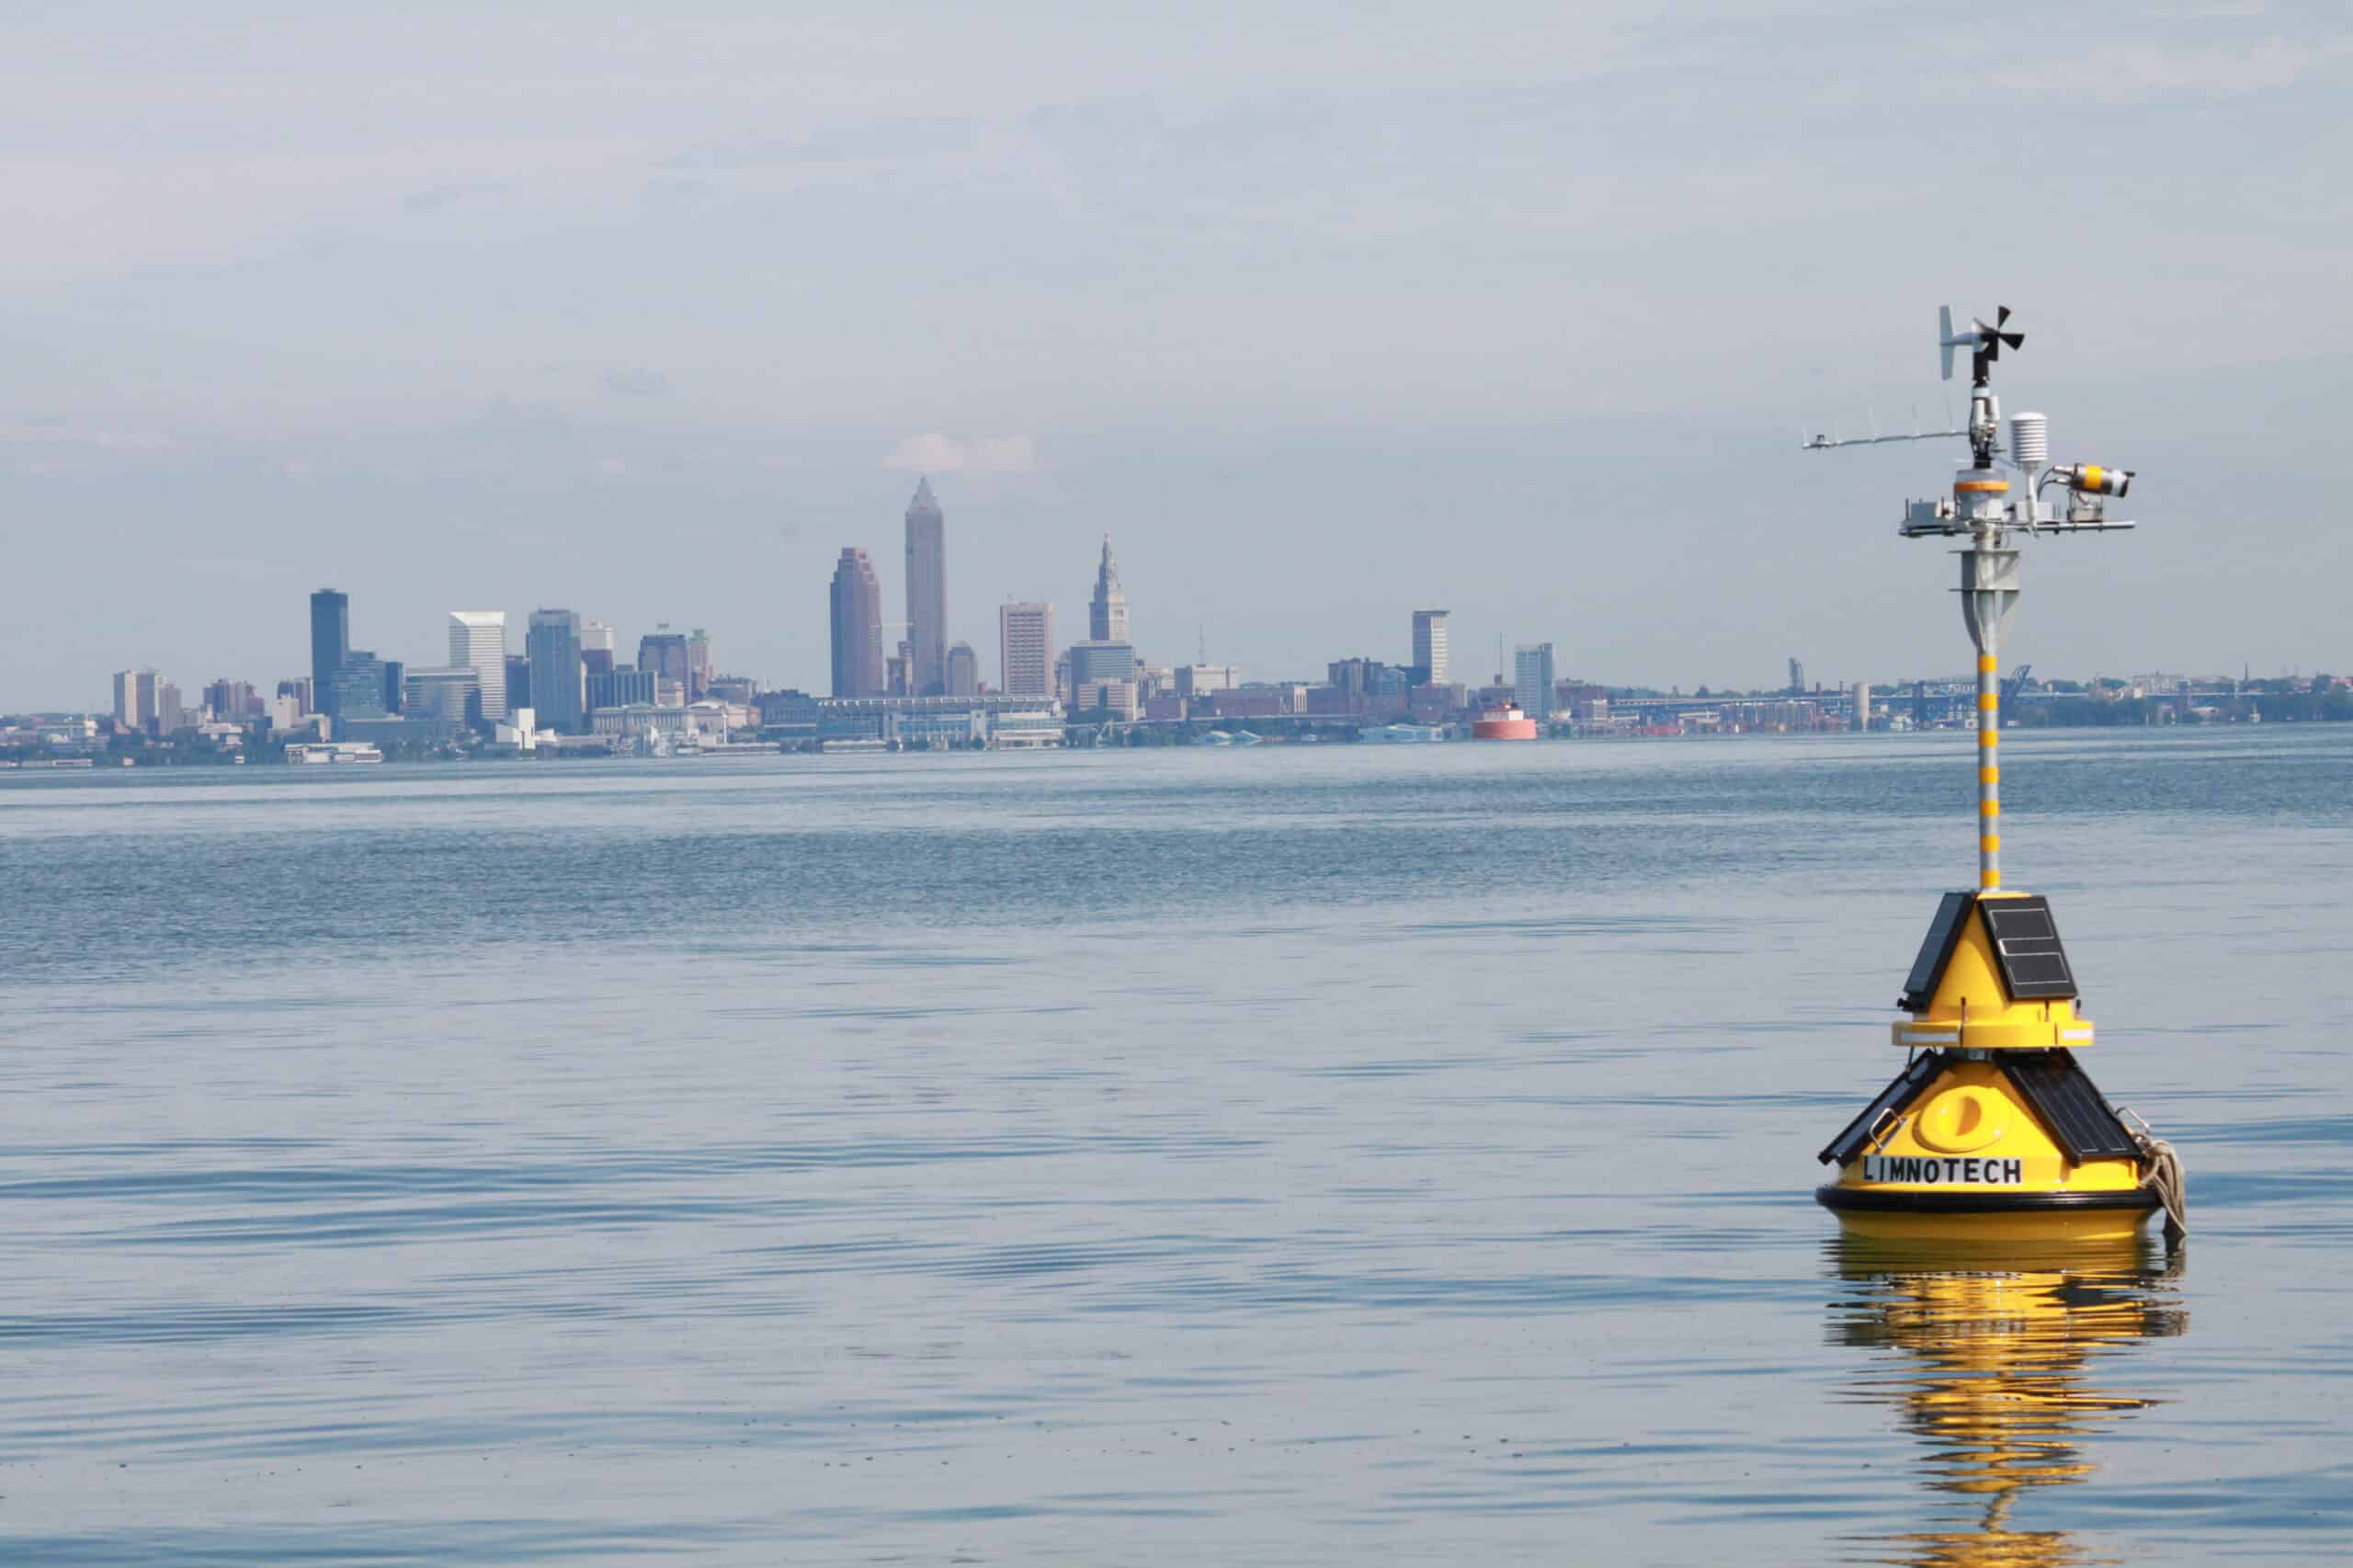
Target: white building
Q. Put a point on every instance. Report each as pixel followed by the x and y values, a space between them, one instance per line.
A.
pixel 1025 634
pixel 1532 680
pixel 478 637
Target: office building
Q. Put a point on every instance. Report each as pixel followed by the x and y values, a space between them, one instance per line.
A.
pixel 1200 681
pixel 553 640
pixel 1429 645
pixel 478 640
pixel 299 689
pixel 395 676
pixel 330 644
pixel 963 671
pixel 358 689
pixel 447 694
pixel 597 636
pixel 1863 714
pixel 170 717
pixel 135 700
pixel 926 593
pixel 1531 665
pixel 698 665
pixel 233 700
pixel 627 687
pixel 1025 649
pixel 1106 612
pixel 596 660
pixel 665 653
pixel 1095 662
pixel 519 683
pixel 857 627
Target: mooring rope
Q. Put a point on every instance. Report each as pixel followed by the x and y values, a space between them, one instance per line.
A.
pixel 2161 1169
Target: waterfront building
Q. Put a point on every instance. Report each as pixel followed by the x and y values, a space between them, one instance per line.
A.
pixel 558 675
pixel 451 693
pixel 963 671
pixel 136 701
pixel 857 627
pixel 1862 717
pixel 1106 612
pixel 926 593
pixel 998 720
pixel 627 687
pixel 358 689
pixel 1532 681
pixel 642 718
pixel 330 644
pixel 1025 649
pixel 1094 662
pixel 478 639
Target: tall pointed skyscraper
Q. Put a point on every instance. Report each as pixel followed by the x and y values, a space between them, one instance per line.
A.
pixel 927 592
pixel 1107 615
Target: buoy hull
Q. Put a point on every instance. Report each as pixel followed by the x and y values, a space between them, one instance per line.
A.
pixel 2056 1218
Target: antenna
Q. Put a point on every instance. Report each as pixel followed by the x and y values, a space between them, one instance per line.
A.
pixel 1980 510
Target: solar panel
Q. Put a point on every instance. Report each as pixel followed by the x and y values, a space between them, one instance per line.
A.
pixel 2026 943
pixel 1891 1101
pixel 1943 931
pixel 2070 1105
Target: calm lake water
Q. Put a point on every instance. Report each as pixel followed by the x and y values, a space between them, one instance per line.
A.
pixel 1302 1154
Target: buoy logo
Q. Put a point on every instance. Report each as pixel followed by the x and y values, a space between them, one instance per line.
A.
pixel 1928 1172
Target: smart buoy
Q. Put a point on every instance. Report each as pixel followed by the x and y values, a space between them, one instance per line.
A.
pixel 1993 1129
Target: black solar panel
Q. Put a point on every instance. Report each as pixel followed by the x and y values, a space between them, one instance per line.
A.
pixel 2069 1103
pixel 1943 931
pixel 1891 1102
pixel 2025 942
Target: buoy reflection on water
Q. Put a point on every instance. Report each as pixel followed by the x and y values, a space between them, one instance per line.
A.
pixel 2005 1377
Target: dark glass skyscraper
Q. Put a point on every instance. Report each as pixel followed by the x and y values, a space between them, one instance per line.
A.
pixel 858 627
pixel 926 593
pixel 330 644
pixel 553 644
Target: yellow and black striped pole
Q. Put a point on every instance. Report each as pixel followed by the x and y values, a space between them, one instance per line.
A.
pixel 1989 591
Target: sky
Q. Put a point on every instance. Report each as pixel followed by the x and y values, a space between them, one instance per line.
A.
pixel 1324 312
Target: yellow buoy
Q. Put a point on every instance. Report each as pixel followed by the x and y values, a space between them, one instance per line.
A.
pixel 1993 1132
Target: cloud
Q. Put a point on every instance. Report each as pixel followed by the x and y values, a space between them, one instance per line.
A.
pixel 935 453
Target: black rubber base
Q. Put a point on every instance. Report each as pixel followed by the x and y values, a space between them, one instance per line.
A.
pixel 1886 1201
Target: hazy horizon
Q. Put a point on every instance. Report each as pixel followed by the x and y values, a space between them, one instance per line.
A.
pixel 1325 317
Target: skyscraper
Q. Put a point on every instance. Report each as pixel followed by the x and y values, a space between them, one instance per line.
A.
pixel 964 670
pixel 1532 680
pixel 478 638
pixel 1106 613
pixel 699 665
pixel 1025 649
pixel 358 689
pixel 135 695
pixel 1429 645
pixel 926 592
pixel 330 644
pixel 665 653
pixel 857 626
pixel 553 640
pixel 598 634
